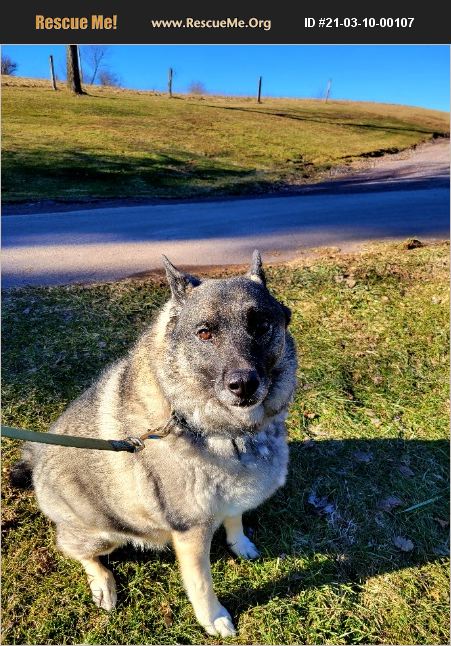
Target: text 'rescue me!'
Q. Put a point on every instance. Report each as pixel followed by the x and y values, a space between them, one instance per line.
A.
pixel 95 21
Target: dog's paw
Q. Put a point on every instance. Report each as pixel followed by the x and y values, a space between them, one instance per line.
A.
pixel 104 591
pixel 244 548
pixel 222 625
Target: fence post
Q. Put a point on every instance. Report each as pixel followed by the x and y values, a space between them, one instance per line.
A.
pixel 259 96
pixel 329 84
pixel 52 73
pixel 170 74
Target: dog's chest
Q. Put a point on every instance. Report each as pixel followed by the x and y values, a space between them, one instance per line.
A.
pixel 243 472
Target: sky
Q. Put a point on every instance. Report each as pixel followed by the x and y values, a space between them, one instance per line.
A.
pixel 416 75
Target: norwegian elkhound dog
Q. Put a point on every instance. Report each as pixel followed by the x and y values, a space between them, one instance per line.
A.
pixel 217 367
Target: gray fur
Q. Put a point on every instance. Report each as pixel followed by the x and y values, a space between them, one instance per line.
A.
pixel 222 457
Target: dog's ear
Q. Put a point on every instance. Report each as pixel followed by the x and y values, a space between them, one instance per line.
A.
pixel 287 314
pixel 256 272
pixel 181 284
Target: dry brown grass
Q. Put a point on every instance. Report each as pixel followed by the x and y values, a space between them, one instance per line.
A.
pixel 114 142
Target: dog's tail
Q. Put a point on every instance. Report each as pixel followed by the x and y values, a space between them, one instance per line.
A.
pixel 21 473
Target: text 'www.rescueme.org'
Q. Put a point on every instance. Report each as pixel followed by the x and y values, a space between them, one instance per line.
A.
pixel 211 23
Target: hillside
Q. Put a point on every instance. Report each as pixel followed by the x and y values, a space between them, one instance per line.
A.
pixel 115 143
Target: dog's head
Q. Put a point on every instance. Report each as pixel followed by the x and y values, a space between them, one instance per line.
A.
pixel 227 341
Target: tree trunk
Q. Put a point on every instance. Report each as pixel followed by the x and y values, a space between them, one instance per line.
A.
pixel 73 70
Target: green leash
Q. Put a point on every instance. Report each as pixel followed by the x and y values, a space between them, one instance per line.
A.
pixel 131 444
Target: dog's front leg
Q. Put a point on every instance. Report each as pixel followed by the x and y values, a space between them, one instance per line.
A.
pixel 193 552
pixel 237 540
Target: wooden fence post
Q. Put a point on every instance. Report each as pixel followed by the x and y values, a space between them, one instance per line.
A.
pixel 170 74
pixel 52 73
pixel 259 97
pixel 329 84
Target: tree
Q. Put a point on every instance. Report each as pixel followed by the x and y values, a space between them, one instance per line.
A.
pixel 8 66
pixel 73 69
pixel 106 77
pixel 197 87
pixel 94 57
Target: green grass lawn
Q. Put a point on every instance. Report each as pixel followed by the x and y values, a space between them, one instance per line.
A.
pixel 368 470
pixel 117 143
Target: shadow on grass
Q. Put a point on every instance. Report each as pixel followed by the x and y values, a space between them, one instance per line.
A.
pixel 335 520
pixel 83 172
pixel 328 118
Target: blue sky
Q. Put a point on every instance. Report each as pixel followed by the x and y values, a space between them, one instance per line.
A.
pixel 407 74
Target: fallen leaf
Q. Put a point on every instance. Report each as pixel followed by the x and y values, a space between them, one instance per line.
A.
pixel 405 471
pixel 379 518
pixel 363 456
pixel 59 358
pixel 321 504
pixel 443 523
pixel 412 243
pixel 316 501
pixel 167 615
pixel 441 550
pixel 350 282
pixel 389 503
pixel 403 544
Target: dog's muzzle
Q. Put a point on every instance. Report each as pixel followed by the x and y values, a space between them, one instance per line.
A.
pixel 243 385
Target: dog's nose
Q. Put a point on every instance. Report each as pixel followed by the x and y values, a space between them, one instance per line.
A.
pixel 242 383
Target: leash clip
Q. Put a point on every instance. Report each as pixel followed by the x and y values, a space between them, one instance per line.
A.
pixel 157 434
pixel 131 444
pixel 137 443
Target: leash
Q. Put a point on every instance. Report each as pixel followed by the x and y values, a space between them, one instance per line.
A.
pixel 130 444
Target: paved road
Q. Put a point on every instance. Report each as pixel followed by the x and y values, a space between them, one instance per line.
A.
pixel 111 243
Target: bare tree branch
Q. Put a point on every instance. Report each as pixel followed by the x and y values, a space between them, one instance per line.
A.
pixel 94 56
pixel 106 77
pixel 197 87
pixel 8 66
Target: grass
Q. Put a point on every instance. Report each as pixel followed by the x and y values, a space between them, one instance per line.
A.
pixel 115 143
pixel 369 424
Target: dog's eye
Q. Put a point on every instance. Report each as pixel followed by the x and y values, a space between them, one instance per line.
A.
pixel 204 334
pixel 261 327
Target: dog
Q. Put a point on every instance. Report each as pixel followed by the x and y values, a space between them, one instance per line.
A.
pixel 217 367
